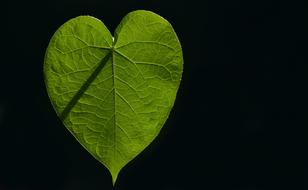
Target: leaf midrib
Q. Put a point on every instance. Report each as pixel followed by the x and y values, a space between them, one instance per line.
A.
pixel 114 101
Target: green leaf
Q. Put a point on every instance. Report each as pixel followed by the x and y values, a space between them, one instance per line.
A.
pixel 114 95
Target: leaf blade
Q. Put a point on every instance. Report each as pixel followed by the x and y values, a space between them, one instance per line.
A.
pixel 122 103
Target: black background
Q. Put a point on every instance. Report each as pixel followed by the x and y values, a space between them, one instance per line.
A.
pixel 238 122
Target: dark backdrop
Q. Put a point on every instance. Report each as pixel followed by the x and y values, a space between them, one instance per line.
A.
pixel 238 122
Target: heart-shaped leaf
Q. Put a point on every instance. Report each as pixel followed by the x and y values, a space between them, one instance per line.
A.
pixel 114 95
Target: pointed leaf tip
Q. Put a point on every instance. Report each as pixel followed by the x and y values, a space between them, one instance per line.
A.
pixel 114 176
